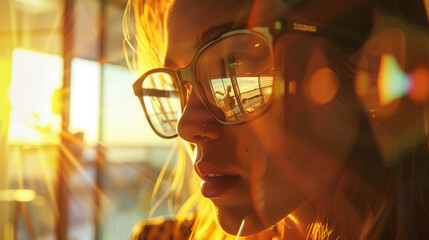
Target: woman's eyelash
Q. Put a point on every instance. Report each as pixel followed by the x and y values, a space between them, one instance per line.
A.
pixel 198 43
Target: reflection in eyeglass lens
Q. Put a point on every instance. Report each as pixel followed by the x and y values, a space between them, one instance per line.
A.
pixel 236 75
pixel 161 99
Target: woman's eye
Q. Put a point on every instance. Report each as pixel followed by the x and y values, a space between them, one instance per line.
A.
pixel 234 58
pixel 242 64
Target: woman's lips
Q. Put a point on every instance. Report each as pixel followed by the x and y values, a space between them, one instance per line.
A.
pixel 216 180
pixel 214 185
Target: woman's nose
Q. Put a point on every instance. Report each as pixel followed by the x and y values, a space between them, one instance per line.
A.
pixel 196 124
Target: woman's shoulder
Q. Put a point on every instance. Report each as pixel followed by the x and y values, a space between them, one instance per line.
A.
pixel 160 228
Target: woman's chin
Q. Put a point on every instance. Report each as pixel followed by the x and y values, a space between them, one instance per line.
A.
pixel 240 223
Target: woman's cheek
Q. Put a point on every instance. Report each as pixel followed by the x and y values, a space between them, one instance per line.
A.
pixel 307 143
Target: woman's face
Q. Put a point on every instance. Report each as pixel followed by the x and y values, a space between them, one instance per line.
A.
pixel 265 169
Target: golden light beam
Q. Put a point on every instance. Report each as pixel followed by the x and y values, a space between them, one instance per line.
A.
pixel 76 163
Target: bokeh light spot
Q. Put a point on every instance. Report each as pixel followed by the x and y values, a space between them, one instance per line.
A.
pixel 23 195
pixel 323 86
pixel 419 90
pixel 18 195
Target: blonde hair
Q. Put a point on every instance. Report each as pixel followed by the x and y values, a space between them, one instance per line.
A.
pixel 144 34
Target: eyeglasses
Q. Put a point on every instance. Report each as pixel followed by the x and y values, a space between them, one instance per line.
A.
pixel 233 76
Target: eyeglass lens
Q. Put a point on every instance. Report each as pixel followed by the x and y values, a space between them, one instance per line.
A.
pixel 235 75
pixel 162 102
pixel 234 78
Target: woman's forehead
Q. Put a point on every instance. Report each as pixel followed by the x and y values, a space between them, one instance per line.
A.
pixel 187 20
pixel 191 11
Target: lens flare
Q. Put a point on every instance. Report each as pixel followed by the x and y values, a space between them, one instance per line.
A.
pixel 278 25
pixel 393 83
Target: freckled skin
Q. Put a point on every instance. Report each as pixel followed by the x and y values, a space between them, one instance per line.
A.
pixel 301 146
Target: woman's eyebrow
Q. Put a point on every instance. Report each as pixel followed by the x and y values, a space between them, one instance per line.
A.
pixel 215 32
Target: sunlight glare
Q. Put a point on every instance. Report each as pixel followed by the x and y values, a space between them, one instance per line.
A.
pixel 85 98
pixel 35 77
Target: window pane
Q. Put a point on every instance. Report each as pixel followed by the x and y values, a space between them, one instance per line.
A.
pixel 35 77
pixel 85 99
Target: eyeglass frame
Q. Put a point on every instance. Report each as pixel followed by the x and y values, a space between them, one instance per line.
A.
pixel 268 34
